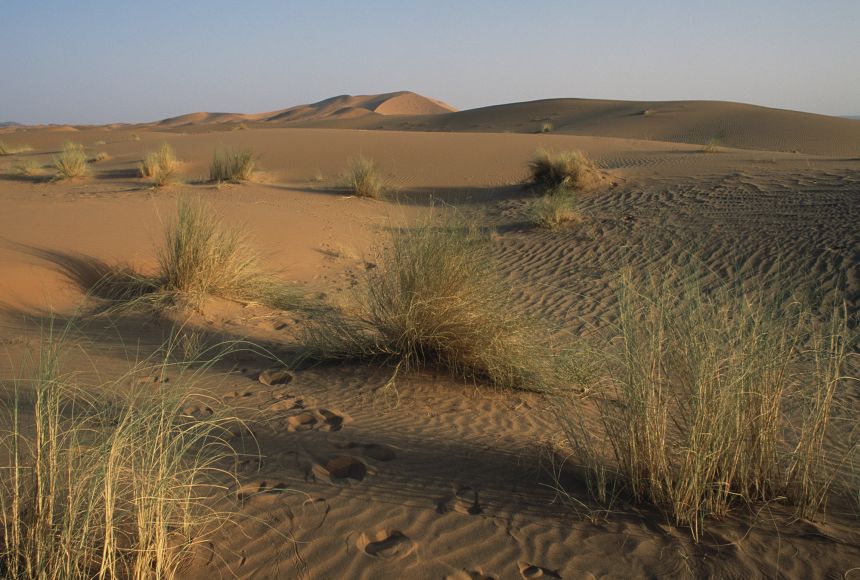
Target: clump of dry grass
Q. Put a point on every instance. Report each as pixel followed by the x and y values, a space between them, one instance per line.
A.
pixel 554 209
pixel 71 162
pixel 709 401
pixel 6 149
pixel 29 168
pixel 435 298
pixel 100 156
pixel 712 146
pixel 569 169
pixel 363 179
pixel 200 257
pixel 160 165
pixel 232 165
pixel 546 128
pixel 103 485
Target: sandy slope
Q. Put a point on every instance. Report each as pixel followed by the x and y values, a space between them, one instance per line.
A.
pixel 448 480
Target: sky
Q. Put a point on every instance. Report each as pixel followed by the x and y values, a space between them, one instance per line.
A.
pixel 99 61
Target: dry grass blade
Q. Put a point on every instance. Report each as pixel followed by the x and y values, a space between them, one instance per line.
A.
pixel 160 165
pixel 6 149
pixel 554 209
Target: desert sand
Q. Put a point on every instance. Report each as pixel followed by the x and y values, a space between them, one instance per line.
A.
pixel 450 480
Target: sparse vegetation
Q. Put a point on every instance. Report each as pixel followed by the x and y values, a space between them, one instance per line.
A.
pixel 569 169
pixel 135 137
pixel 709 401
pixel 546 128
pixel 200 258
pixel 100 156
pixel 71 162
pixel 363 178
pixel 98 484
pixel 6 149
pixel 712 146
pixel 160 165
pixel 553 209
pixel 232 165
pixel 29 168
pixel 436 298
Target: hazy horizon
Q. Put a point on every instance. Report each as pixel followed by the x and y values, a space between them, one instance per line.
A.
pixel 99 62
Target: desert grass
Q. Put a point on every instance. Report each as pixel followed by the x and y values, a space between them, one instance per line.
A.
pixel 435 299
pixel 160 165
pixel 113 481
pixel 711 401
pixel 100 156
pixel 232 165
pixel 362 178
pixel 569 169
pixel 6 149
pixel 554 209
pixel 200 257
pixel 546 128
pixel 712 146
pixel 71 162
pixel 29 168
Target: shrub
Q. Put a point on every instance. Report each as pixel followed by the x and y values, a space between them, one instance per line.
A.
pixel 232 165
pixel 100 156
pixel 363 179
pixel 435 298
pixel 546 128
pixel 570 169
pixel 28 169
pixel 101 485
pixel 711 401
pixel 553 209
pixel 6 149
pixel 72 162
pixel 160 165
pixel 200 258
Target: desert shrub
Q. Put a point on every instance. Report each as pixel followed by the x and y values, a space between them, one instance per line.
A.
pixel 553 209
pixel 160 165
pixel 28 169
pixel 100 156
pixel 570 169
pixel 546 128
pixel 101 485
pixel 709 401
pixel 712 146
pixel 71 162
pixel 232 165
pixel 6 149
pixel 200 257
pixel 435 298
pixel 363 178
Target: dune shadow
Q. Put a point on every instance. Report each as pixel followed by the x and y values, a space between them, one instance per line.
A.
pixel 105 174
pixel 430 196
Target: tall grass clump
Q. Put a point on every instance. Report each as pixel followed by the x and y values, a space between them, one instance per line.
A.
pixel 160 165
pixel 97 484
pixel 435 299
pixel 363 178
pixel 709 401
pixel 200 257
pixel 570 169
pixel 6 149
pixel 554 209
pixel 232 165
pixel 71 162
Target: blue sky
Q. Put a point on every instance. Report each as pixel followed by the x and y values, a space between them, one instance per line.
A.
pixel 95 61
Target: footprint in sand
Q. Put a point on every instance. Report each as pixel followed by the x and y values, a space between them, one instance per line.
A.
pixel 476 574
pixel 197 411
pixel 286 403
pixel 236 395
pixel 386 544
pixel 464 501
pixel 375 451
pixel 256 491
pixel 320 419
pixel 531 571
pixel 341 470
pixel 275 377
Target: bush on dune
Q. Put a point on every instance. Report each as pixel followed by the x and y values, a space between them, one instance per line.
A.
pixel 569 169
pixel 436 298
pixel 71 162
pixel 160 165
pixel 363 179
pixel 232 165
pixel 709 401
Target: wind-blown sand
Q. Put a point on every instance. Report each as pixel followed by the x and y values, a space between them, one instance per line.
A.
pixel 450 480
